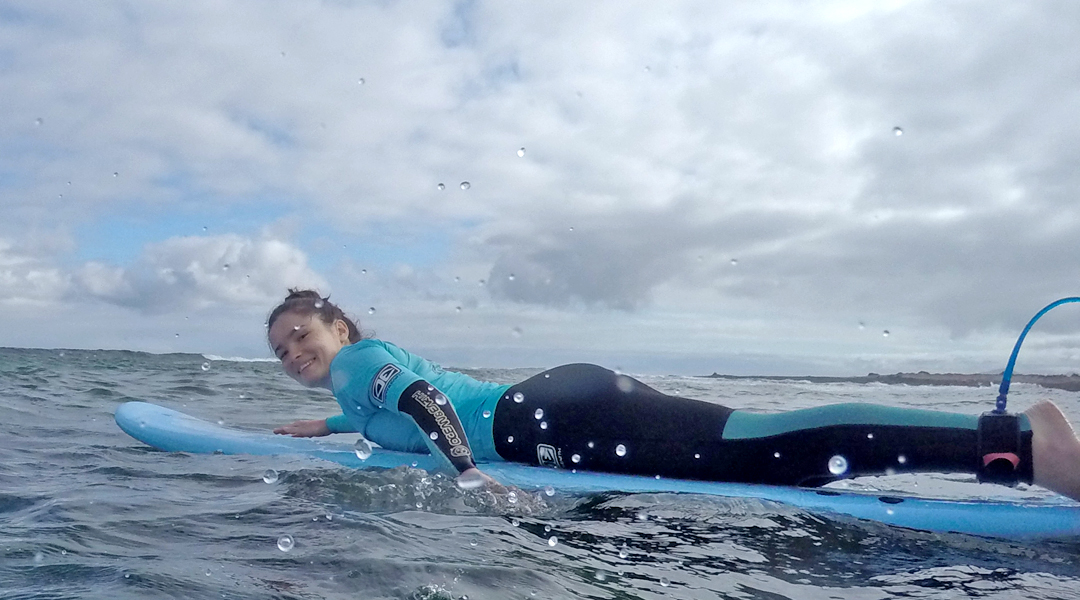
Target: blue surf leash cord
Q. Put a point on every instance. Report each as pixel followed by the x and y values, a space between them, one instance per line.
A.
pixel 1006 377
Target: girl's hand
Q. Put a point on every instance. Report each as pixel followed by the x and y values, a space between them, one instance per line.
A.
pixel 473 478
pixel 315 428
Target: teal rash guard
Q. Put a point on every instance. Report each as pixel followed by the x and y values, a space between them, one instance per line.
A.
pixel 370 376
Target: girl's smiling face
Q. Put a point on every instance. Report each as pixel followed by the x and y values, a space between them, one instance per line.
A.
pixel 306 345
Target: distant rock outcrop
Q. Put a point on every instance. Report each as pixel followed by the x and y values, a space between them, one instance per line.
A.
pixel 1061 382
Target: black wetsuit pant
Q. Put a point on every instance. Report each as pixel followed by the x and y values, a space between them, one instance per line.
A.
pixel 586 417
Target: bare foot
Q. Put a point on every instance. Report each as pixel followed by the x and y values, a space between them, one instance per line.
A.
pixel 1055 450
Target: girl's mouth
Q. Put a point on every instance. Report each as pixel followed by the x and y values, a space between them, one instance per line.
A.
pixel 304 366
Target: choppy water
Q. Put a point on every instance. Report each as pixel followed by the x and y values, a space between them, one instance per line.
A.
pixel 87 512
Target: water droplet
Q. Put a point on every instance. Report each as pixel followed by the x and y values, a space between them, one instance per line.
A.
pixel 696 455
pixel 509 439
pixel 441 187
pixel 38 121
pixel 550 491
pixel 204 228
pixel 897 131
pixel 838 465
pixel 39 557
pixel 885 333
pixel 515 522
pixel 553 540
pixel 457 309
pixel 901 459
pixel 623 553
pixel 296 328
pixel 890 512
pixel 371 310
pixel 575 458
pixel 318 304
pixel 870 436
pixel 624 383
pixel 620 450
pixel 470 481
pixel 329 517
pixel 362 449
pixel 862 326
pixel 225 267
pixel 516 332
pixel 361 81
pixel 285 543
pixel 512 497
pixel 177 335
pixel 486 414
pixel 363 271
pixel 519 397
pixel 481 283
pixel 734 261
pixel 521 151
pixel 664 581
pixel 270 476
pixel 440 399
pixel 115 174
pixel 543 424
pixel 890 471
pixel 206 366
pixel 571 230
pixel 539 414
pixel 465 185
pixel 510 277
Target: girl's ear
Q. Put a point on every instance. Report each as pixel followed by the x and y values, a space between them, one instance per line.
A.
pixel 341 329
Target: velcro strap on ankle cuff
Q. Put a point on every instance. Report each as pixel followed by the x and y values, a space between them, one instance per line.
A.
pixel 999 448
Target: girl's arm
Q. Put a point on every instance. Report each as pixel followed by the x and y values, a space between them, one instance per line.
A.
pixel 435 416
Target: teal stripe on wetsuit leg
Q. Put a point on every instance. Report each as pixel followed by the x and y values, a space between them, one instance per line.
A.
pixel 746 425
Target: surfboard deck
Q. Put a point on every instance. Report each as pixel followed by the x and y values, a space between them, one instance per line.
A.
pixel 174 431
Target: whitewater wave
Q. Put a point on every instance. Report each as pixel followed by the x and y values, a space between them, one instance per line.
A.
pixel 237 358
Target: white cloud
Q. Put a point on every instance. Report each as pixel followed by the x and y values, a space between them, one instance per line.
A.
pixel 25 279
pixel 201 272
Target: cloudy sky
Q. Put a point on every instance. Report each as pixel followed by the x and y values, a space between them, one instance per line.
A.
pixel 677 187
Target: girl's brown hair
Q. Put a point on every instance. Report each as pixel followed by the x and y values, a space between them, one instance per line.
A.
pixel 309 302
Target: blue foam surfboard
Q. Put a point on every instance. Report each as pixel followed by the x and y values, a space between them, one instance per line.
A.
pixel 174 431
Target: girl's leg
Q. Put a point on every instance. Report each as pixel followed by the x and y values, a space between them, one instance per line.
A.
pixel 587 417
pixel 1055 450
pixel 584 416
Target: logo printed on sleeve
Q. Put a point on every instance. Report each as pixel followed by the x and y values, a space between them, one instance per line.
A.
pixel 382 382
pixel 548 456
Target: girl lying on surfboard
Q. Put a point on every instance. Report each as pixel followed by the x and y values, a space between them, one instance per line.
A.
pixel 587 417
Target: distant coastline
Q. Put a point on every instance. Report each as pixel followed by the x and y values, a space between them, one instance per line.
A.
pixel 1062 382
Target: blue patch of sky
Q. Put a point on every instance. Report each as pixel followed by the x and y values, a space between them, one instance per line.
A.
pixel 119 237
pixel 276 133
pixel 458 29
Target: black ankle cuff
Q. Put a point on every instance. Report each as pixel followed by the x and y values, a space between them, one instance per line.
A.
pixel 1004 451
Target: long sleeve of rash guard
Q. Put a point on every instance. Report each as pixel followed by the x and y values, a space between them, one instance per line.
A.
pixel 436 417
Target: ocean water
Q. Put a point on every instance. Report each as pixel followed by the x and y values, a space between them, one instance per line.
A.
pixel 88 512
